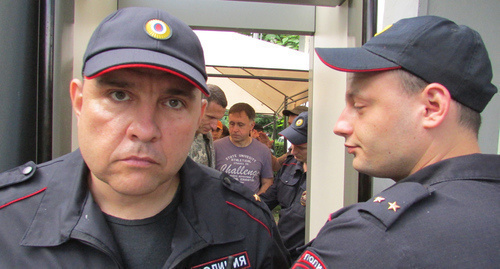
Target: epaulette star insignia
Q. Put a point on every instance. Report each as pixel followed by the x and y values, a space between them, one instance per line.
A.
pixel 257 198
pixel 393 206
pixel 378 199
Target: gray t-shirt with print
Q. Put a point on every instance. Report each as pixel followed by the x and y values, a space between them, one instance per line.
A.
pixel 246 164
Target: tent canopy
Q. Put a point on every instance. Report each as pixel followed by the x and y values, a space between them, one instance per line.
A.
pixel 269 77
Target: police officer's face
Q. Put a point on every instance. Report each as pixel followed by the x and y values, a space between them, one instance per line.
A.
pixel 135 127
pixel 381 127
pixel 300 152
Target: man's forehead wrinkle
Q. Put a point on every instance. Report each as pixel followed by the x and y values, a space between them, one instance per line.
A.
pixel 114 81
pixel 182 92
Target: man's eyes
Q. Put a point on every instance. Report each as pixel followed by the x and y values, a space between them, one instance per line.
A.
pixel 120 96
pixel 358 106
pixel 236 124
pixel 174 103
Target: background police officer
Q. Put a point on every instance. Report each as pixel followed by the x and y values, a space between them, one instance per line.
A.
pixel 289 187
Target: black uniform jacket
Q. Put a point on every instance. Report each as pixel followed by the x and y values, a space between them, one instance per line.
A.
pixel 447 215
pixel 289 191
pixel 49 220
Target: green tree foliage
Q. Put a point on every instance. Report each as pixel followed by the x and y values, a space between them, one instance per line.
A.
pixel 267 121
pixel 289 41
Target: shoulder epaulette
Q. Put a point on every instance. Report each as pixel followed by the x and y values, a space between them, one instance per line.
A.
pixel 229 182
pixel 18 174
pixel 243 191
pixel 390 204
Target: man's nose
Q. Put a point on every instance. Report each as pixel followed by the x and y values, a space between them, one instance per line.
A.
pixel 144 126
pixel 343 126
pixel 213 124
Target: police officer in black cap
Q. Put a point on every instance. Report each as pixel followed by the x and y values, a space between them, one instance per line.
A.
pixel 130 197
pixel 289 187
pixel 291 114
pixel 412 114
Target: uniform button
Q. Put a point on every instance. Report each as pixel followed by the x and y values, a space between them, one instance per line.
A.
pixel 27 170
pixel 227 180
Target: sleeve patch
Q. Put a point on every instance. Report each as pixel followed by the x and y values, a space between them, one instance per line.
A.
pixel 309 259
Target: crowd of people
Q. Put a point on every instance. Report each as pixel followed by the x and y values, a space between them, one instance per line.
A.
pixel 159 182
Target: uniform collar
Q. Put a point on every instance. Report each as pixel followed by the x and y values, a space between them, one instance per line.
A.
pixel 297 165
pixel 474 166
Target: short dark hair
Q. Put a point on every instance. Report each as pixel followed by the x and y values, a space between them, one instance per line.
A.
pixel 468 117
pixel 243 107
pixel 216 95
pixel 258 127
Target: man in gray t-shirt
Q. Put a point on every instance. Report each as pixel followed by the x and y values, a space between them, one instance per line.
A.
pixel 242 157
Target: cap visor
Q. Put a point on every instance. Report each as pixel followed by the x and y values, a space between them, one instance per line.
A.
pixel 124 58
pixel 293 136
pixel 354 60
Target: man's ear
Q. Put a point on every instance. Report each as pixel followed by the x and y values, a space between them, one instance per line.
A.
pixel 204 104
pixel 436 100
pixel 76 94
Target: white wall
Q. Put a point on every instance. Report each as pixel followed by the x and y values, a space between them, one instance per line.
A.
pixel 326 152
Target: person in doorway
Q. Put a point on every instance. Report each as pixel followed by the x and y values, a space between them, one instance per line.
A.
pixel 202 149
pixel 130 197
pixel 291 114
pixel 241 156
pixel 289 188
pixel 412 114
